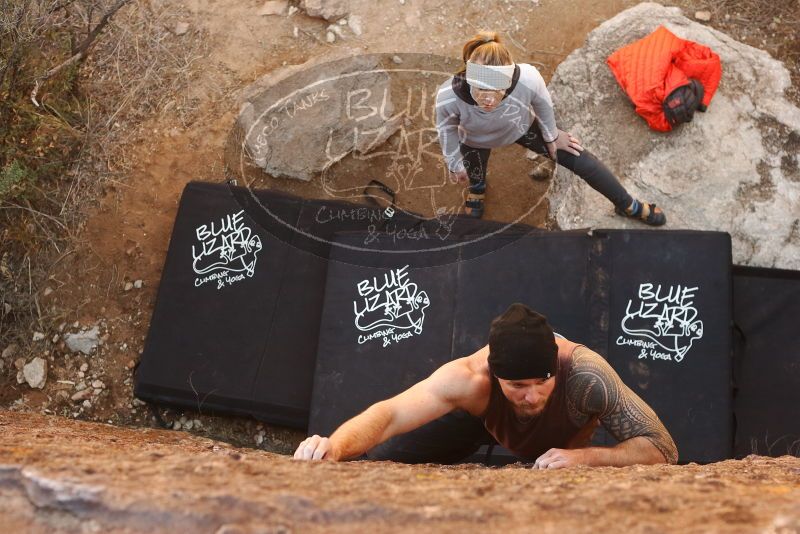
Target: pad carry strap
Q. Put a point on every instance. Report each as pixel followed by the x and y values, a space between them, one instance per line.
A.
pixel 373 187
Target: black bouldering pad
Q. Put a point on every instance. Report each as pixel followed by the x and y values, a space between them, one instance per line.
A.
pixel 235 325
pixel 766 310
pixel 669 331
pixel 387 322
pixel 222 278
pixel 606 290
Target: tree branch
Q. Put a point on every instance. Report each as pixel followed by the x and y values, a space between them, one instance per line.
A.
pixel 58 7
pixel 81 52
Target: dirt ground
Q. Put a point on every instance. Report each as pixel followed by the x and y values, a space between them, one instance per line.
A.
pixel 180 136
pixel 60 475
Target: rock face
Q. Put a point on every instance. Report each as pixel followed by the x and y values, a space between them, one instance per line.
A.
pixel 300 120
pixel 60 475
pixel 733 169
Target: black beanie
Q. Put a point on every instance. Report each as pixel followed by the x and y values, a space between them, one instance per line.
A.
pixel 522 345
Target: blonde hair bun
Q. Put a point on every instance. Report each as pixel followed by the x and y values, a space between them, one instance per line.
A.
pixel 487 36
pixel 487 48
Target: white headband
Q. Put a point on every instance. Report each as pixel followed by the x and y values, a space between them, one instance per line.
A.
pixel 493 77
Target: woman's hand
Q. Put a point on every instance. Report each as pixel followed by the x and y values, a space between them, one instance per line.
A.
pixel 565 141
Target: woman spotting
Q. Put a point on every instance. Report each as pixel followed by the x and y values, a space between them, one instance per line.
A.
pixel 493 102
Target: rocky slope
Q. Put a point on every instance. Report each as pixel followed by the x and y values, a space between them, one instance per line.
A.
pixel 61 475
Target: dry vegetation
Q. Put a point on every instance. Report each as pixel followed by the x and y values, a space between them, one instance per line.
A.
pixel 59 157
pixel 773 26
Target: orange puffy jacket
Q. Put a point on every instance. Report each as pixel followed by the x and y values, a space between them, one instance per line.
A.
pixel 651 68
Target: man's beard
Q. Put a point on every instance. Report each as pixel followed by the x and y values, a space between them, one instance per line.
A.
pixel 527 410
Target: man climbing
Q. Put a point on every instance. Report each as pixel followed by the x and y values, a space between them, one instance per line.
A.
pixel 538 394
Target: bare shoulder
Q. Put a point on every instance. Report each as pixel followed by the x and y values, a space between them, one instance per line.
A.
pixel 590 371
pixel 593 386
pixel 585 360
pixel 465 381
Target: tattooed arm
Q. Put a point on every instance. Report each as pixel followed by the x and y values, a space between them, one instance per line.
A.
pixel 595 390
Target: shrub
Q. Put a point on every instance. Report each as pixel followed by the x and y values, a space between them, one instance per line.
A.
pixel 15 178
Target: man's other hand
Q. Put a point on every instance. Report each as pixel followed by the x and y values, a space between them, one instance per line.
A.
pixel 314 448
pixel 558 458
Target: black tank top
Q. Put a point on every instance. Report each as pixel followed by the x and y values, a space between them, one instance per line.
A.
pixel 552 428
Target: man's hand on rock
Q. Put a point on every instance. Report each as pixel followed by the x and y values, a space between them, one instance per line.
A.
pixel 558 458
pixel 314 448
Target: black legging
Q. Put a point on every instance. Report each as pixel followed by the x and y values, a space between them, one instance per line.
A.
pixel 587 166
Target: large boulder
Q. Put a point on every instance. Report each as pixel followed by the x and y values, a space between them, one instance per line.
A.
pixel 733 169
pixel 300 120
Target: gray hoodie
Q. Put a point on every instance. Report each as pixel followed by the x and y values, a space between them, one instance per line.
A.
pixel 460 120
